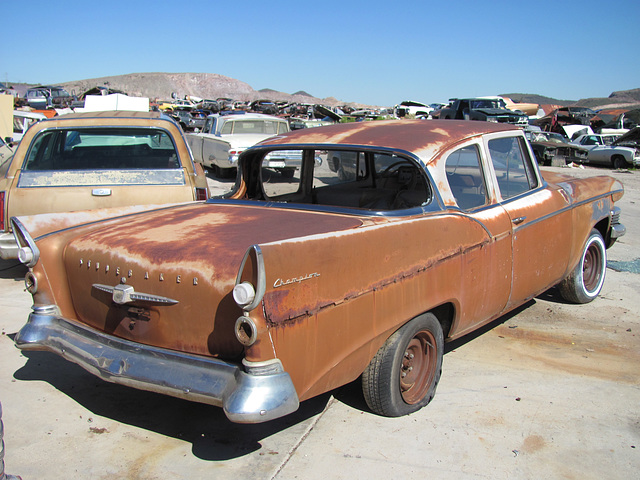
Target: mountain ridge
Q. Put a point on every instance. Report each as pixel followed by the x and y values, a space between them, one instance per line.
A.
pixel 164 86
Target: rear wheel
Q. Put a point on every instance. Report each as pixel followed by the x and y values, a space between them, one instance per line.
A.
pixel 585 281
pixel 618 162
pixel 403 376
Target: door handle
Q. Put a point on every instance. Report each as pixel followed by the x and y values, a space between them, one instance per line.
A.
pixel 101 192
pixel 518 220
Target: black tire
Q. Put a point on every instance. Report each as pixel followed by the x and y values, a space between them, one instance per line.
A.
pixel 403 375
pixel 287 172
pixel 585 281
pixel 618 162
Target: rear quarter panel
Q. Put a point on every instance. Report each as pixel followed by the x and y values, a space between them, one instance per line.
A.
pixel 333 300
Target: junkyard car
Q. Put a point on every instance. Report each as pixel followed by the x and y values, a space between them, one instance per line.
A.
pixel 225 137
pixel 553 149
pixel 22 120
pixel 482 109
pixel 603 151
pixel 48 97
pixel 290 287
pixel 96 160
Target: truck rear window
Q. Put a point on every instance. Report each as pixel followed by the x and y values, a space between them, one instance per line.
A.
pixel 92 156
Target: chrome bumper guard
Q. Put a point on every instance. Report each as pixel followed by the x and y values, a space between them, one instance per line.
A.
pixel 617 229
pixel 258 393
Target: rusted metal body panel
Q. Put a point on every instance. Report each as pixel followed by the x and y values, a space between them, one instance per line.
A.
pixel 190 253
pixel 327 285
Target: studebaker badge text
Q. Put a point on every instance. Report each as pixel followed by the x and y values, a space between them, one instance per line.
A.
pixel 281 283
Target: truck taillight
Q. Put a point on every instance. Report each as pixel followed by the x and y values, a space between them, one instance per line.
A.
pixel 2 211
pixel 201 193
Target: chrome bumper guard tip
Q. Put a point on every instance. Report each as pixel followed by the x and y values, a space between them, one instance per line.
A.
pixel 618 230
pixel 253 394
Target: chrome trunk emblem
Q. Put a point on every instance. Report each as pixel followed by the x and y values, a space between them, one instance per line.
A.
pixel 122 294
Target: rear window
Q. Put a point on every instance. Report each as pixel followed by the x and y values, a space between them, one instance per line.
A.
pixel 375 181
pixel 66 156
pixel 269 127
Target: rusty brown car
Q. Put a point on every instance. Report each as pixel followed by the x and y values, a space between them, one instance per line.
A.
pixel 289 287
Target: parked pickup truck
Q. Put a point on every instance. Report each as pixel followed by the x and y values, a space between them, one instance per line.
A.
pixel 225 136
pixel 96 160
pixel 483 109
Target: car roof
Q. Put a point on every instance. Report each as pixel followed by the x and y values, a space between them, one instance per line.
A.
pixel 409 135
pixel 109 114
pixel 247 116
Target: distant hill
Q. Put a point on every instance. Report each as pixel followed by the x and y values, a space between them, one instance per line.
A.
pixel 622 99
pixel 164 86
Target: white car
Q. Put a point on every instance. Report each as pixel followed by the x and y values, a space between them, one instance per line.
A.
pixel 603 151
pixel 225 136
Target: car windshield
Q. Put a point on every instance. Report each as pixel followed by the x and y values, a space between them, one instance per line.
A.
pixel 484 103
pixel 59 92
pixel 547 137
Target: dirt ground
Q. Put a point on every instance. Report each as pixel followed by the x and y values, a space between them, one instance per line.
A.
pixel 551 390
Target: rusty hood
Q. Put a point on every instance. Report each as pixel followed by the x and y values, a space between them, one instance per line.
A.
pixel 182 263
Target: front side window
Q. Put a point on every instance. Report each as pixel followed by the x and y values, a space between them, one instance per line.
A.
pixel 465 177
pixel 512 166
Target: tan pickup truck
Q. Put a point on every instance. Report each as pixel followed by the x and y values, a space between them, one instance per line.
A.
pixel 96 160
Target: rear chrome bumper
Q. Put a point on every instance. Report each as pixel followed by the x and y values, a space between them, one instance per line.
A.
pixel 8 246
pixel 251 393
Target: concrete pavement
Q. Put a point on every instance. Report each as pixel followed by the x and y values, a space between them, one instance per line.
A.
pixel 549 391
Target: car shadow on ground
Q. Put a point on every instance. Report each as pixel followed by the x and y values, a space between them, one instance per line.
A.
pixel 212 436
pixel 12 269
pixel 553 295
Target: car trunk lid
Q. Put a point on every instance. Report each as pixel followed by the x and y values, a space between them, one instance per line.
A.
pixel 182 262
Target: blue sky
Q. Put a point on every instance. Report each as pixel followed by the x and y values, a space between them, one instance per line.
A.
pixel 371 52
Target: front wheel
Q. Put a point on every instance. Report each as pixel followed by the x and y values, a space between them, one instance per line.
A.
pixel 585 281
pixel 403 376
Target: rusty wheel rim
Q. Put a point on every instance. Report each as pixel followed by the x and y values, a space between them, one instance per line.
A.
pixel 591 271
pixel 418 367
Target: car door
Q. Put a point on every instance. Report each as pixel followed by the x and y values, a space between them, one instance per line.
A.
pixel 485 283
pixel 597 151
pixel 540 218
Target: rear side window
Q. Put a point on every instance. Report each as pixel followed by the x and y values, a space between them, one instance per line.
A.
pixel 465 177
pixel 512 165
pixel 100 156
